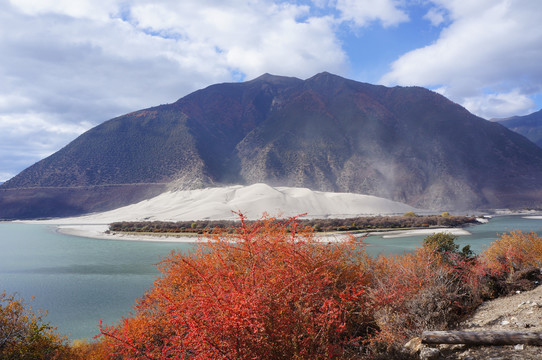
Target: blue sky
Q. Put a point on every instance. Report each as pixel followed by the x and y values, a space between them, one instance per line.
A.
pixel 68 65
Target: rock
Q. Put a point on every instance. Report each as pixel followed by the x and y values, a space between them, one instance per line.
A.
pixel 429 354
pixel 414 345
pixel 519 347
pixel 452 347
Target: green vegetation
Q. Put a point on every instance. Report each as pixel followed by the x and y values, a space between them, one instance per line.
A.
pixel 444 243
pixel 372 223
pixel 24 335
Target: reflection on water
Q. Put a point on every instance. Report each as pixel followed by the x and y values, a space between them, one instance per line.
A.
pixel 80 281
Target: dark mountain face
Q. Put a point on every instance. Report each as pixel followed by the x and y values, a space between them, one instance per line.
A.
pixel 326 133
pixel 529 126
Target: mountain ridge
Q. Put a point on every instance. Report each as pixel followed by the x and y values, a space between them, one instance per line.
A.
pixel 326 133
pixel 529 126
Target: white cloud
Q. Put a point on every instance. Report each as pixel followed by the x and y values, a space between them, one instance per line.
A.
pixel 251 38
pixel 77 9
pixel 27 137
pixel 363 12
pixel 436 16
pixel 68 65
pixel 495 105
pixel 489 48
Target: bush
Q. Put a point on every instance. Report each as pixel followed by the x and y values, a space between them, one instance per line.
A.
pixel 441 242
pixel 272 291
pixel 423 290
pixel 24 335
pixel 262 292
pixel 444 244
pixel 514 251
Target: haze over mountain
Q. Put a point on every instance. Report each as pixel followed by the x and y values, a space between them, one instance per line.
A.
pixel 326 133
pixel 529 126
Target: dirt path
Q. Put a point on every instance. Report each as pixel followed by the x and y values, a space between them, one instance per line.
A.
pixel 518 312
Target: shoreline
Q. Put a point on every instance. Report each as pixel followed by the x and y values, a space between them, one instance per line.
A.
pixel 98 231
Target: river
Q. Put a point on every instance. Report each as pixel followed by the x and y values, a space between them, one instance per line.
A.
pixel 80 280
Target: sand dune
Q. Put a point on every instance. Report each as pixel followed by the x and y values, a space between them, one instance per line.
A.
pixel 253 201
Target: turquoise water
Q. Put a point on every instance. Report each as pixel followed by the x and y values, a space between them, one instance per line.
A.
pixel 481 236
pixel 80 281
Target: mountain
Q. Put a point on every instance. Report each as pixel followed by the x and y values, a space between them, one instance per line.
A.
pixel 326 133
pixel 529 126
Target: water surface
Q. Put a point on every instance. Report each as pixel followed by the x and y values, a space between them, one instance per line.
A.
pixel 481 236
pixel 81 280
pixel 78 280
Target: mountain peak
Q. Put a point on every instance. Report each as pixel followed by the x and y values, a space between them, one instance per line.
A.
pixel 326 133
pixel 529 126
pixel 325 76
pixel 274 79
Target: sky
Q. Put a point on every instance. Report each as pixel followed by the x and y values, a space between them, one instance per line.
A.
pixel 69 65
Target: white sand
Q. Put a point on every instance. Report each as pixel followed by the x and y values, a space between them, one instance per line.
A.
pixel 221 203
pixel 416 232
pixel 99 232
pixel 252 201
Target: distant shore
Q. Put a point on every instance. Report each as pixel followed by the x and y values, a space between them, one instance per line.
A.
pixel 98 231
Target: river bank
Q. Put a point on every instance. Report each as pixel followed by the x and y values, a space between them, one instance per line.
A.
pixel 101 231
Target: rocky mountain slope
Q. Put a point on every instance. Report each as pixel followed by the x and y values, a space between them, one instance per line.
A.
pixel 529 126
pixel 326 133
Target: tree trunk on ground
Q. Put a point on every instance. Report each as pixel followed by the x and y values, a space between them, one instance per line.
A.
pixel 482 337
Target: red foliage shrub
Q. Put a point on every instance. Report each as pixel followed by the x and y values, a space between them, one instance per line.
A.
pixel 273 291
pixel 260 293
pixel 514 251
pixel 423 290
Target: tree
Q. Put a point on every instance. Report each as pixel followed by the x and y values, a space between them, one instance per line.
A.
pixel 441 242
pixel 24 335
pixel 444 243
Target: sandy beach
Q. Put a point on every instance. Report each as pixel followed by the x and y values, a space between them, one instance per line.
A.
pixel 99 232
pixel 253 201
pixel 416 232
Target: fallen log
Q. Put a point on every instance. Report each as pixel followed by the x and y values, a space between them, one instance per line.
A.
pixel 482 337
